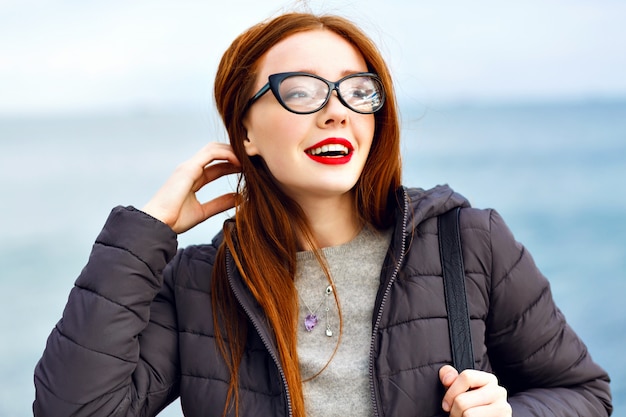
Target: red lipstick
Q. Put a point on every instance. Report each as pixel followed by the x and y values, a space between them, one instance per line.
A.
pixel 331 151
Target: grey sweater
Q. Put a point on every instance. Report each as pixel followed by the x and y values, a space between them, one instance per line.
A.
pixel 342 389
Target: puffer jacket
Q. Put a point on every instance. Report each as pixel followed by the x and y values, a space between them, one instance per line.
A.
pixel 137 331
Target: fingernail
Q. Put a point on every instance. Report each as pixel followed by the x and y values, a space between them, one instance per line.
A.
pixel 445 406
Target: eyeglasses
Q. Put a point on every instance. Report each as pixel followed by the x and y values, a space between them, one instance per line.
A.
pixel 304 93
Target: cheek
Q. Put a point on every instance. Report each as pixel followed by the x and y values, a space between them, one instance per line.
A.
pixel 365 130
pixel 269 132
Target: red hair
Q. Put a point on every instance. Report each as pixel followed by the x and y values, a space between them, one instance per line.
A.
pixel 263 240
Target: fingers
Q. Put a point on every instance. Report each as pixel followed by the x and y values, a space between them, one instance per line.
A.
pixel 212 152
pixel 447 375
pixel 489 400
pixel 499 409
pixel 467 380
pixel 212 172
pixel 218 205
pixel 473 393
pixel 176 205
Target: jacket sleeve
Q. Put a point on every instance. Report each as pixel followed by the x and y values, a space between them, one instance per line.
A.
pixel 102 358
pixel 535 354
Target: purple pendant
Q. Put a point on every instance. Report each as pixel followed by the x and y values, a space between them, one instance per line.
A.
pixel 310 321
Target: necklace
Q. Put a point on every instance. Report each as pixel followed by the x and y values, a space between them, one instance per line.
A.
pixel 311 320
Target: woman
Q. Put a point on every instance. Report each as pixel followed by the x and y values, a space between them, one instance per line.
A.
pixel 323 296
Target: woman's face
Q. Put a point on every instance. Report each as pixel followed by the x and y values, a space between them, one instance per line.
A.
pixel 290 143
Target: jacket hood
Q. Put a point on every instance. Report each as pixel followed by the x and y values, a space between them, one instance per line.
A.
pixel 416 205
pixel 424 204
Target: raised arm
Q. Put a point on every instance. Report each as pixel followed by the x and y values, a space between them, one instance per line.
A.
pixel 114 351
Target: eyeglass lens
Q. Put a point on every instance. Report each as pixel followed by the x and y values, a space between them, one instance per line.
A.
pixel 303 93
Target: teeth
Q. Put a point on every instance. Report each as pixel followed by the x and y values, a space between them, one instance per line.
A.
pixel 335 148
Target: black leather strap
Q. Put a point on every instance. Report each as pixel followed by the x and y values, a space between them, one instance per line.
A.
pixel 454 286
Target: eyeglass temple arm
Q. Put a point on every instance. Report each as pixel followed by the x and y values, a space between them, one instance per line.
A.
pixel 258 95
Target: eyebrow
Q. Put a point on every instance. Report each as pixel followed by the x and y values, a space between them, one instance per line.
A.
pixel 342 74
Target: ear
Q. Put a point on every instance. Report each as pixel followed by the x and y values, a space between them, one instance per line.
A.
pixel 249 143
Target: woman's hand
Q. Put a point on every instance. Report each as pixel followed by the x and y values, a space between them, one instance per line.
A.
pixel 176 203
pixel 473 393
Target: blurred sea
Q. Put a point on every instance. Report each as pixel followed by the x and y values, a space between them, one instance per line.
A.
pixel 554 171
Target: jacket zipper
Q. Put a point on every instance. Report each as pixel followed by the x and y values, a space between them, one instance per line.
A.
pixel 257 327
pixel 383 302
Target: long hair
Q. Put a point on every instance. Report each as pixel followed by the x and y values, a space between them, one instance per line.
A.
pixel 263 239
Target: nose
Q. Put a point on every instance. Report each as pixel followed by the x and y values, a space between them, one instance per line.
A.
pixel 334 112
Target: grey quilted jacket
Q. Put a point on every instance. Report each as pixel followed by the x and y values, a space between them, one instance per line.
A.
pixel 137 331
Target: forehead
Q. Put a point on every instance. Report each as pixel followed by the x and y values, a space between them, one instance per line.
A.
pixel 322 52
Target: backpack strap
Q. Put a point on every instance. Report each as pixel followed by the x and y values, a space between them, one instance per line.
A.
pixel 454 289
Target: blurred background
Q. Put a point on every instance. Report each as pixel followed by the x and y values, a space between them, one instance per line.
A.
pixel 519 106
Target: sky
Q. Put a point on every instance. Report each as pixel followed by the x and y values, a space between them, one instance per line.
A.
pixel 68 56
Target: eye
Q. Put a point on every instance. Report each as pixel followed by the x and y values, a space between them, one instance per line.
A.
pixel 302 89
pixel 359 88
pixel 361 93
pixel 296 93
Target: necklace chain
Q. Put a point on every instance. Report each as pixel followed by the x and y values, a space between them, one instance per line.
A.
pixel 311 320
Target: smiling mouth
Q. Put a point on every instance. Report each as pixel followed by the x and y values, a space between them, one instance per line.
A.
pixel 334 150
pixel 331 151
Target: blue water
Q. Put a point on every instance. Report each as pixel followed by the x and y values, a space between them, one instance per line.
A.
pixel 555 172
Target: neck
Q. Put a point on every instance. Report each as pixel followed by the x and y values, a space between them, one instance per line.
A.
pixel 334 220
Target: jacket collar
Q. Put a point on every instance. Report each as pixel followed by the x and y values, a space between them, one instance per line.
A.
pixel 415 205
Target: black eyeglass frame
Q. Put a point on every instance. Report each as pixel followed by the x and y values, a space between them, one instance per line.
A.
pixel 275 80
